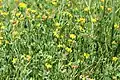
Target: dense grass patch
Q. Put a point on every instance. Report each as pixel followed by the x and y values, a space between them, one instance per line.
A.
pixel 59 40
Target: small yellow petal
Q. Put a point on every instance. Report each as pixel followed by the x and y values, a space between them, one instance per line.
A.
pixel 86 55
pixel 102 0
pixel 109 9
pixel 48 66
pixel 116 26
pixel 14 60
pixel 68 49
pixel 72 36
pixel 22 5
pixel 114 59
pixel 93 20
pixel 86 9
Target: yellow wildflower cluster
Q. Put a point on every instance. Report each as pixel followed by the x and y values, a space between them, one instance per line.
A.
pixel 0 42
pixel 4 13
pixel 82 29
pixel 15 33
pixel 86 9
pixel 68 14
pixel 28 57
pixel 14 60
pixel 30 10
pixel 86 55
pixel 18 14
pixel 54 2
pixel 93 20
pixel 22 5
pixel 114 42
pixel 72 36
pixel 82 20
pixel 57 24
pixel 114 59
pixel 102 0
pixel 69 50
pixel 102 7
pixel 55 33
pixel 61 46
pixel 48 66
pixel 109 9
pixel 16 0
pixel 1 1
pixel 52 31
pixel 116 26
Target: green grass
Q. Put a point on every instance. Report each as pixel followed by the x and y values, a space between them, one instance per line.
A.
pixel 36 41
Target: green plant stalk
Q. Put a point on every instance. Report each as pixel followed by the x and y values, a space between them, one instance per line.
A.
pixel 104 8
pixel 113 21
pixel 91 17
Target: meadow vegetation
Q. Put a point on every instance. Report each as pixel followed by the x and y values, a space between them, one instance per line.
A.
pixel 59 40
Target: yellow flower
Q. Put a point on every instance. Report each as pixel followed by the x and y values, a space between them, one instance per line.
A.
pixel 102 7
pixel 22 5
pixel 33 11
pixel 7 42
pixel 76 9
pixel 4 13
pixel 15 33
pixel 68 49
pixel 16 0
pixel 72 36
pixel 48 66
pixel 57 24
pixel 55 33
pixel 44 17
pixel 70 15
pixel 93 20
pixel 38 16
pixel 116 26
pixel 1 37
pixel 82 20
pixel 102 0
pixel 2 27
pixel 61 46
pixel 62 36
pixel 14 60
pixel 0 6
pixel 28 9
pixel 18 14
pixel 21 17
pixel 68 5
pixel 86 55
pixel 82 29
pixel 1 1
pixel 86 9
pixel 28 57
pixel 114 59
pixel 114 42
pixel 109 9
pixel 54 2
pixel 0 42
pixel 1 23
